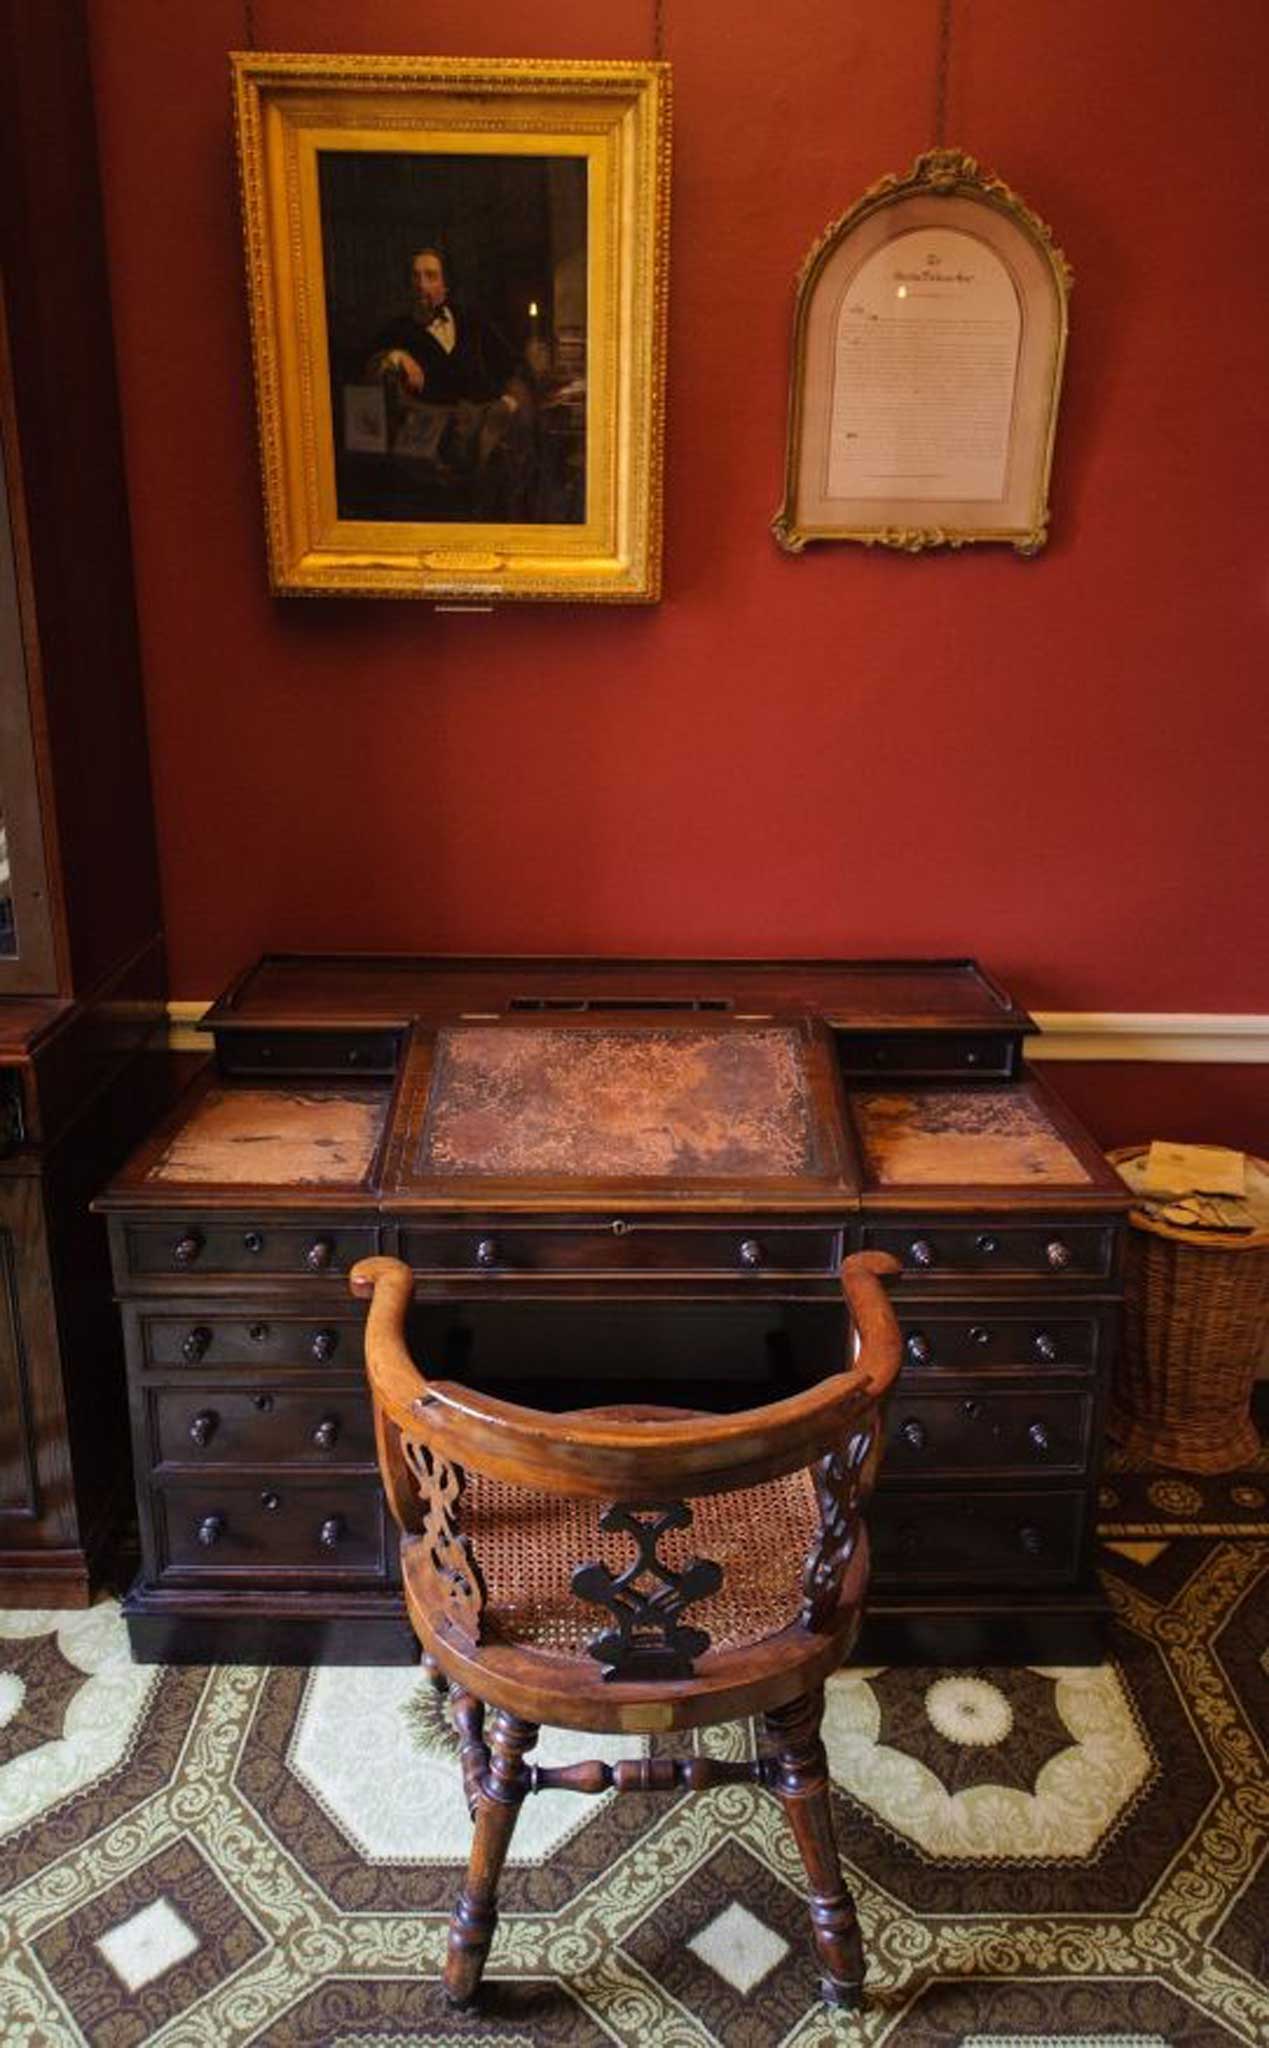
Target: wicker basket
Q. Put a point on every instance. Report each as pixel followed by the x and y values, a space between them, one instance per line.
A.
pixel 1196 1308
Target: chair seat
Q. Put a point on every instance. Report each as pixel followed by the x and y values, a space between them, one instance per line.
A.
pixel 529 1544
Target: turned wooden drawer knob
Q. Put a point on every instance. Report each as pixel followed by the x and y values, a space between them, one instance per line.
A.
pixel 919 1348
pixel 1057 1254
pixel 323 1345
pixel 979 1334
pixel 486 1252
pixel 913 1433
pixel 210 1530
pixel 270 1502
pixel 195 1343
pixel 1045 1347
pixel 253 1240
pixel 921 1252
pixel 319 1255
pixel 1039 1437
pixel 331 1532
pixel 326 1435
pixel 187 1248
pixel 1031 1540
pixel 750 1252
pixel 987 1243
pixel 203 1427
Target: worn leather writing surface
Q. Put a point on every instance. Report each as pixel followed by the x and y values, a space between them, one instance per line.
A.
pixel 933 1137
pixel 272 1137
pixel 634 1102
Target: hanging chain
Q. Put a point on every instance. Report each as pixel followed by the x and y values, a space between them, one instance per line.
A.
pixel 251 24
pixel 941 70
pixel 658 29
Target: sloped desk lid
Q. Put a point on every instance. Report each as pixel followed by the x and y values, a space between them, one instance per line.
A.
pixel 600 1107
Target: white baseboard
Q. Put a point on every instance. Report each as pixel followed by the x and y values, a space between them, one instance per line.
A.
pixel 1238 1039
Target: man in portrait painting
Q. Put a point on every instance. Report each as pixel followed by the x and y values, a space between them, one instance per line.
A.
pixel 458 397
pixel 456 318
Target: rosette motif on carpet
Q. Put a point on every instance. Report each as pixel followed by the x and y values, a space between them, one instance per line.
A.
pixel 1046 1856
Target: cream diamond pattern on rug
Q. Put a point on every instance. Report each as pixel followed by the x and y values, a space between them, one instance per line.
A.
pixel 142 1947
pixel 740 1948
pixel 356 1749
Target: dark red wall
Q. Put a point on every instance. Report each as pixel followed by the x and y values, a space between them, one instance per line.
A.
pixel 1056 765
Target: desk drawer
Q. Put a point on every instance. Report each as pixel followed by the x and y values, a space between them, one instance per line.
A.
pixel 215 1245
pixel 1048 1337
pixel 621 1247
pixel 225 1529
pixel 307 1052
pixel 989 1433
pixel 925 1055
pixel 978 1539
pixel 221 1425
pixel 984 1248
pixel 255 1343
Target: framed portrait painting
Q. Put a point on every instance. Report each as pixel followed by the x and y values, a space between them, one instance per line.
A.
pixel 457 280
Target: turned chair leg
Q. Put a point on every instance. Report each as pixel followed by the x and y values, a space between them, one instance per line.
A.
pixel 432 1671
pixel 799 1778
pixel 498 1802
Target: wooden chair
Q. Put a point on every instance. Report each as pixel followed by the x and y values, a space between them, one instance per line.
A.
pixel 552 1574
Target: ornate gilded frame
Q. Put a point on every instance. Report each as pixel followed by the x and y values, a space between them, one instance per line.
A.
pixel 944 190
pixel 616 116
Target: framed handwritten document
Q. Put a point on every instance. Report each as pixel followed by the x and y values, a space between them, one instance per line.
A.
pixel 929 339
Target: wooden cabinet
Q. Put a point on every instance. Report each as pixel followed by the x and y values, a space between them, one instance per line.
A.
pixel 613 1180
pixel 81 980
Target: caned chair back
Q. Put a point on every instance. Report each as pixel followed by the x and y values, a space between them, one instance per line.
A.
pixel 753 1521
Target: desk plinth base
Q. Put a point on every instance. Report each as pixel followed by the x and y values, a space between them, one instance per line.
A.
pixel 1069 1627
pixel 371 1628
pixel 165 1627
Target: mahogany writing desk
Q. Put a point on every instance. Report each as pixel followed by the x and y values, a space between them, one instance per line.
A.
pixel 612 1175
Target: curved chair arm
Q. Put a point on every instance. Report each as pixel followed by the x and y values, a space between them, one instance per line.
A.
pixel 876 1332
pixel 388 1285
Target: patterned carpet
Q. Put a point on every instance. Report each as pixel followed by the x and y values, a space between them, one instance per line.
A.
pixel 1054 1858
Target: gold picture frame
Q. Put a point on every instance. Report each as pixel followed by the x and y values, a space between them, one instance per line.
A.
pixel 456 271
pixel 929 342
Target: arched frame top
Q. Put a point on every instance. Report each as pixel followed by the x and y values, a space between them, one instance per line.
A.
pixel 928 348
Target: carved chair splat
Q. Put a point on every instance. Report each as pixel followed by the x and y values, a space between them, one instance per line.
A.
pixel 627 1569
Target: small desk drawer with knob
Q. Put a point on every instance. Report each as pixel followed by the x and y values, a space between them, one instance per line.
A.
pixel 250 1342
pixel 921 1055
pixel 210 1529
pixel 984 1248
pixel 622 1246
pixel 982 1338
pixel 955 1538
pixel 266 1427
pixel 993 1433
pixel 211 1246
